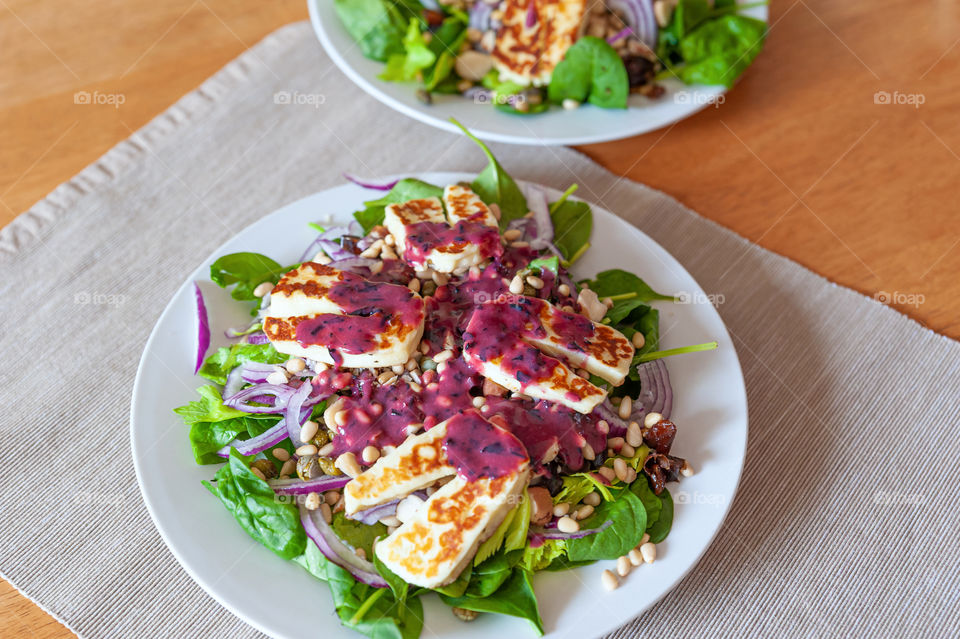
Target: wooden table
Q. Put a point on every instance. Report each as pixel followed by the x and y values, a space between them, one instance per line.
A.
pixel 839 148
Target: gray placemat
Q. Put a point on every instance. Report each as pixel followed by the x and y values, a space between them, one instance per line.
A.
pixel 846 514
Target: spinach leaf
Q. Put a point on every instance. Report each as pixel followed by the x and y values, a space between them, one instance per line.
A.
pixel 209 408
pixel 661 528
pixel 719 50
pixel 402 67
pixel 445 44
pixel 458 587
pixel 495 186
pixel 404 190
pixel 247 271
pixel 651 502
pixel 313 561
pixel 206 438
pixel 628 292
pixel 356 534
pixel 572 226
pixel 591 70
pixel 374 612
pixel 253 503
pixel 398 586
pixel 515 598
pixel 629 522
pixel 539 557
pixel 542 264
pixel 377 26
pixel 487 577
pixel 219 364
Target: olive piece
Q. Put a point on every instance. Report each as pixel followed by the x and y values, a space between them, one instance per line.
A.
pixel 321 439
pixel 266 467
pixel 308 468
pixel 329 466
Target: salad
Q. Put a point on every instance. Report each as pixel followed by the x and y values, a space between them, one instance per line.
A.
pixel 523 56
pixel 428 404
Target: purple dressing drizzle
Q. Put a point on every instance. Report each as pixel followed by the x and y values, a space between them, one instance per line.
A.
pixel 424 237
pixel 478 449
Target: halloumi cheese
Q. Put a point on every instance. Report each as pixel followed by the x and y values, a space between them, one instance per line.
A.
pixel 515 344
pixel 435 543
pixel 426 238
pixel 529 54
pixel 339 318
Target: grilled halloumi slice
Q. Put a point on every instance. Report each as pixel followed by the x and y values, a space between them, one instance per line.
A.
pixel 337 317
pixel 529 54
pixel 511 343
pixel 426 238
pixel 437 543
pixel 433 546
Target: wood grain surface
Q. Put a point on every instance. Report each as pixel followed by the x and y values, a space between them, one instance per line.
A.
pixel 839 147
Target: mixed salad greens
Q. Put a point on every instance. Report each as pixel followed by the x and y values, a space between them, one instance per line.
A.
pixel 524 56
pixel 266 418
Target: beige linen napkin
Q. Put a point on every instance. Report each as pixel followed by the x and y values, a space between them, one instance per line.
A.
pixel 846 519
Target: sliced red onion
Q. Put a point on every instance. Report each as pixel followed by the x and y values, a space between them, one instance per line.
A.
pixel 552 533
pixel 267 439
pixel 638 15
pixel 334 249
pixel 352 263
pixel 370 516
pixel 234 382
pixel 257 338
pixel 480 15
pixel 609 413
pixel 370 183
pixel 667 389
pixel 531 20
pixel 540 207
pixel 317 485
pixel 240 400
pixel 203 328
pixel 479 94
pixel 295 415
pixel 336 551
pixel 656 393
pixel 619 35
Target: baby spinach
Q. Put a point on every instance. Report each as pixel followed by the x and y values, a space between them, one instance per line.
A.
pixel 219 364
pixel 659 530
pixel 313 561
pixel 247 271
pixel 515 597
pixel 572 226
pixel 356 534
pixel 629 519
pixel 374 612
pixel 495 186
pixel 378 26
pixel 206 438
pixel 459 586
pixel 398 586
pixel 591 70
pixel 253 503
pixel 445 44
pixel 404 190
pixel 718 51
pixel 416 56
pixel 617 282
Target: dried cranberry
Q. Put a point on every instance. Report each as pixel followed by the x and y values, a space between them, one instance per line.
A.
pixel 661 469
pixel 639 70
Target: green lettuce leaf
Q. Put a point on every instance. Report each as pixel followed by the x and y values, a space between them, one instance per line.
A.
pixel 404 190
pixel 593 71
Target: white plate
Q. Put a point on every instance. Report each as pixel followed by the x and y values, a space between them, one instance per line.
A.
pixel 586 125
pixel 710 409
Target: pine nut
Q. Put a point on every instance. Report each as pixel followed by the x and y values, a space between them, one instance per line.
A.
pixel 588 452
pixel 340 418
pixel 634 434
pixel 628 451
pixel 258 473
pixel 535 282
pixel 414 285
pixel 615 443
pixel 516 285
pixel 603 427
pixel 289 467
pixel 262 289
pixel 607 473
pixel 561 509
pixel 326 512
pixel 584 511
pixel 626 407
pixel 638 340
pixel 277 378
pixel 370 454
pixel 649 552
pixel 623 566
pixel 593 499
pixel 635 557
pixel 563 290
pixel 652 419
pixel 644 539
pixel 567 524
pixel 295 365
pixel 331 497
pixel 631 475
pixel 326 450
pixel 479 401
pixel 620 468
pixel 306 450
pixel 686 470
pixel 312 502
pixel 389 240
pixel 520 244
pixel 390 521
pixel 309 430
pixel 347 462
pixel 442 356
pixel 512 234
pixel 280 454
pixel 609 580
